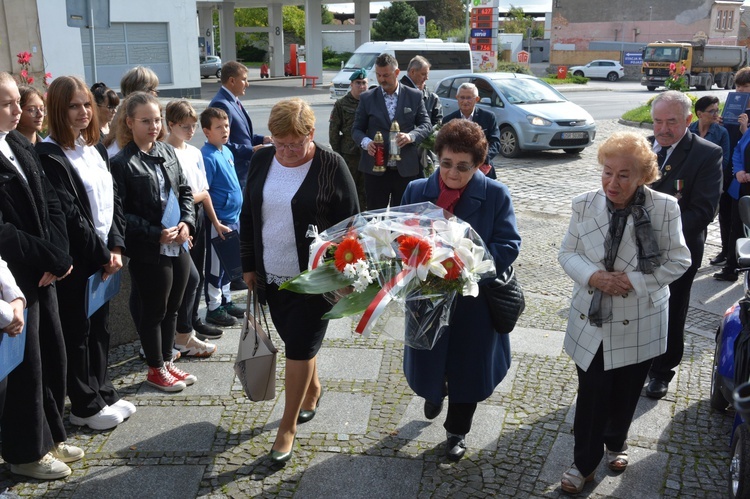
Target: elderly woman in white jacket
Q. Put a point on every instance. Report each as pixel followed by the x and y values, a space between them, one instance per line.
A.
pixel 623 247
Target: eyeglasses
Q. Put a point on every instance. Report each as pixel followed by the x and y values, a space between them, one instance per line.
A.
pixel 153 91
pixel 36 111
pixel 189 128
pixel 466 97
pixel 461 167
pixel 149 121
pixel 711 111
pixel 111 108
pixel 291 147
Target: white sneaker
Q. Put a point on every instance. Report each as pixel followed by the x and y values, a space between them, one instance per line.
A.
pixel 125 408
pixel 103 420
pixel 47 468
pixel 66 453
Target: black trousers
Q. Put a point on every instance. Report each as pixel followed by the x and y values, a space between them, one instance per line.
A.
pixel 35 394
pixel 386 188
pixel 725 218
pixel 458 420
pixel 187 315
pixel 604 409
pixel 663 366
pixel 86 347
pixel 161 287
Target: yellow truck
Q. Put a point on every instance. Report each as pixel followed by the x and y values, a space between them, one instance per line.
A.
pixel 704 65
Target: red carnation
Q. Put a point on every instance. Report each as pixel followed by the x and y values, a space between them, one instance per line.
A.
pixel 414 250
pixel 453 267
pixel 348 251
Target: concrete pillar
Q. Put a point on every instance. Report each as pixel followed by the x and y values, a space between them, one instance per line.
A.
pixel 206 28
pixel 276 40
pixel 313 39
pixel 226 28
pixel 361 22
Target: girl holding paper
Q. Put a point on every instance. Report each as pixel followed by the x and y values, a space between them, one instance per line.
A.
pixel 147 172
pixel 78 168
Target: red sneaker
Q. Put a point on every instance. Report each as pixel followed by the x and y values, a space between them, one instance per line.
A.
pixel 179 374
pixel 161 378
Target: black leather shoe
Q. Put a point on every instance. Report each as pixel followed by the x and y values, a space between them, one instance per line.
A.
pixel 718 260
pixel 431 411
pixel 278 457
pixel 206 332
pixel 305 416
pixel 455 447
pixel 657 388
pixel 726 274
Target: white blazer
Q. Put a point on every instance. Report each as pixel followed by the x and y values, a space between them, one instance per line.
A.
pixel 638 329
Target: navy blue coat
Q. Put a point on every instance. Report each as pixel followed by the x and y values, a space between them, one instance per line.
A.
pixel 470 353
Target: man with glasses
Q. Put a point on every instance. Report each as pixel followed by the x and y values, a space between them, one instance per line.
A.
pixel 467 97
pixel 378 109
pixel 242 140
pixel 417 74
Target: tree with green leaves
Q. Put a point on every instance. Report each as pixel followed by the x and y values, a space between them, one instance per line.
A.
pixel 518 22
pixel 447 14
pixel 396 23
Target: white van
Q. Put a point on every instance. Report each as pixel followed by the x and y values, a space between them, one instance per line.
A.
pixel 446 59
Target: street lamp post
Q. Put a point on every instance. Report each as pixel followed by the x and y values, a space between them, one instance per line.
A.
pixel 650 11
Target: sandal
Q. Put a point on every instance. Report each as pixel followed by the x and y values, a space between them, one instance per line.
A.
pixel 618 460
pixel 573 481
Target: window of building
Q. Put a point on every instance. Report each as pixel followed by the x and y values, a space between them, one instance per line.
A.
pixel 725 20
pixel 124 46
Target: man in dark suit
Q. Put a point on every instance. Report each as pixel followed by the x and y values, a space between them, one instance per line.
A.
pixel 417 74
pixel 690 171
pixel 467 97
pixel 378 108
pixel 242 140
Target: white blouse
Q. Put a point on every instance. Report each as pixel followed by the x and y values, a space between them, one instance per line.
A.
pixel 279 244
pixel 97 180
pixel 191 161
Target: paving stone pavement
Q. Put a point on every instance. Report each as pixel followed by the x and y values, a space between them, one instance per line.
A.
pixel 370 439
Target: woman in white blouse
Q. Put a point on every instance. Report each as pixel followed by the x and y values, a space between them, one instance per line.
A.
pixel 77 165
pixel 292 185
pixel 623 247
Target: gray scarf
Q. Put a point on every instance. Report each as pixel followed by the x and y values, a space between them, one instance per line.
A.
pixel 648 250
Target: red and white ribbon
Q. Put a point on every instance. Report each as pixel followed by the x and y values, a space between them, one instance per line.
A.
pixel 382 299
pixel 319 254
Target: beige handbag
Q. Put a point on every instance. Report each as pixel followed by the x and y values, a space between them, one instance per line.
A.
pixel 256 358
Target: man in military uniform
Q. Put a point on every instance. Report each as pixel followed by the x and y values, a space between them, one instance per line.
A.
pixel 340 130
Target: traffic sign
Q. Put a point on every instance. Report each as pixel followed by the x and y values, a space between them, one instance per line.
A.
pixel 523 57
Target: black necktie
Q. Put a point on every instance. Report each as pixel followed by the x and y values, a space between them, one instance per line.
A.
pixel 661 156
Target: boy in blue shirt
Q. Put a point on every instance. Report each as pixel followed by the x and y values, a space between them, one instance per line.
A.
pixel 226 196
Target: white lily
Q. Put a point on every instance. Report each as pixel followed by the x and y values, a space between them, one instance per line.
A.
pixel 378 239
pixel 475 263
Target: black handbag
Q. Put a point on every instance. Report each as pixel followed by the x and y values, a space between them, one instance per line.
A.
pixel 505 300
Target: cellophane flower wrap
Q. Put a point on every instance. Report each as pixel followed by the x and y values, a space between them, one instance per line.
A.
pixel 417 257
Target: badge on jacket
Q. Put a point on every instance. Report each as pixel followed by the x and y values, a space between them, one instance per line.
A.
pixel 678 186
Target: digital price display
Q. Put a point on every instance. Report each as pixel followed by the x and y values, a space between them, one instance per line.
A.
pixel 483 11
pixel 481 47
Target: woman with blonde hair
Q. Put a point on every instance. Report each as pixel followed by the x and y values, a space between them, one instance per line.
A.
pixel 292 185
pixel 77 165
pixel 623 247
pixel 148 174
pixel 137 79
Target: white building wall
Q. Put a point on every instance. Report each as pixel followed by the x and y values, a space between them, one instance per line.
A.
pixel 62 44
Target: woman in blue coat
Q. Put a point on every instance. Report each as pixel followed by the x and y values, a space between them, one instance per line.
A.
pixel 470 359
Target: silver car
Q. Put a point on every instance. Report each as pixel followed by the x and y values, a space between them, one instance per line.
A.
pixel 210 66
pixel 532 115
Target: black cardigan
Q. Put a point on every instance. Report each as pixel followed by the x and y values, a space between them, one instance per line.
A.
pixel 86 247
pixel 327 196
